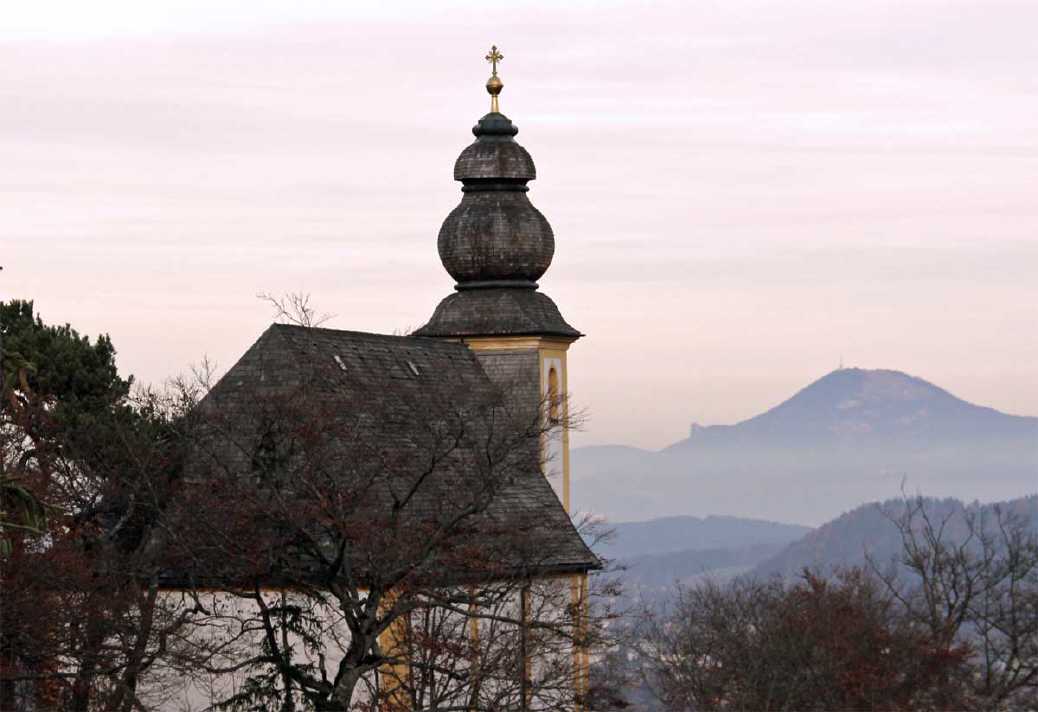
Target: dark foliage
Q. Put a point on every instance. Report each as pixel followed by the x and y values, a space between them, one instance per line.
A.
pixel 815 645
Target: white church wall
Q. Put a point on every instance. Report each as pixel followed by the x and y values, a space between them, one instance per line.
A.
pixel 230 632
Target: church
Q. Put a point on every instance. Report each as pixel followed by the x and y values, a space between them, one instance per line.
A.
pixel 441 459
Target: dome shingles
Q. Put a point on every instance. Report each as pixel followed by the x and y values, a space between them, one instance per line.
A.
pixel 494 160
pixel 497 312
pixel 496 236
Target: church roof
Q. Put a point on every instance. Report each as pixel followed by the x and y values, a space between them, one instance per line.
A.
pixel 386 402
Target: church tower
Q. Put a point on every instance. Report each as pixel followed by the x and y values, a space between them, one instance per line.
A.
pixel 496 245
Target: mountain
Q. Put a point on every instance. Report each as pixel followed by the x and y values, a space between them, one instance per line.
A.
pixel 676 534
pixel 844 541
pixel 852 436
pixel 855 406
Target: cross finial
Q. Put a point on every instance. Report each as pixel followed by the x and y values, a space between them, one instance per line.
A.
pixel 494 57
pixel 494 84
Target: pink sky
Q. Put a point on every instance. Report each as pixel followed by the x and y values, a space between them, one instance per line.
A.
pixel 742 192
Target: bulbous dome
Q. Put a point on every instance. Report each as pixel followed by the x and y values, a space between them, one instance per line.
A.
pixel 495 237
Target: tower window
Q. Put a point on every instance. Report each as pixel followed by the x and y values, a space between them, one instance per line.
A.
pixel 554 399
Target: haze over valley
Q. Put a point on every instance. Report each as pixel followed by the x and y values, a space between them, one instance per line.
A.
pixel 813 483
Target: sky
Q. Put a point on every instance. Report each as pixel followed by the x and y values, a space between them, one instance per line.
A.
pixel 744 194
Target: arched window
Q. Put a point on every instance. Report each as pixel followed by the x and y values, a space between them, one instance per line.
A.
pixel 554 399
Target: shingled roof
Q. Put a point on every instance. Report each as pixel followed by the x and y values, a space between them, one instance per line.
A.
pixel 392 395
pixel 497 312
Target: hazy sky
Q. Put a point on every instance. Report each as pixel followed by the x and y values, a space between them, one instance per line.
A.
pixel 742 192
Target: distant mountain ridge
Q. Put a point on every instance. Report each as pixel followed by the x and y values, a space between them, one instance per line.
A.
pixel 851 436
pixel 675 534
pixel 766 549
pixel 868 530
pixel 656 553
pixel 854 404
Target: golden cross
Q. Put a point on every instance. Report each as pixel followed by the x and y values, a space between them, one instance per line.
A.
pixel 494 57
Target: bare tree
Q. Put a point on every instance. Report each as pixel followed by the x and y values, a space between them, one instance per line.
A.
pixel 972 579
pixel 295 308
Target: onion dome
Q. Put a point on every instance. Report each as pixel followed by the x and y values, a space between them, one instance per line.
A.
pixel 496 244
pixel 495 237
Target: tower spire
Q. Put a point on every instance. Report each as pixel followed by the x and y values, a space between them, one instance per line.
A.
pixel 495 243
pixel 494 84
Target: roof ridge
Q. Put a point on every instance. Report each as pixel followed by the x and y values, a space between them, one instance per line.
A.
pixel 395 338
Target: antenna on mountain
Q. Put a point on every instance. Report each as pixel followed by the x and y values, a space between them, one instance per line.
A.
pixel 840 367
